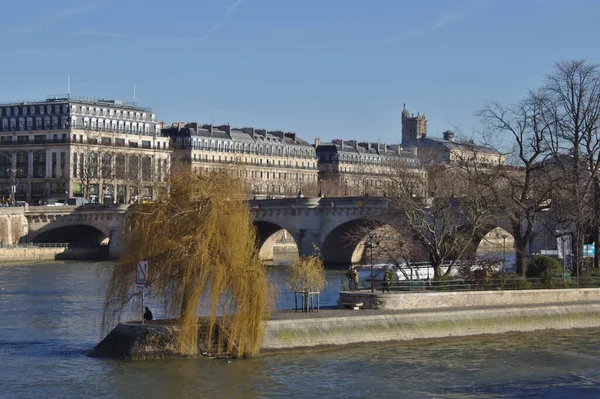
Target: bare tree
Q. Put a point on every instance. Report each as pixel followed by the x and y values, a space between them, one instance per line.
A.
pixel 86 164
pixel 444 225
pixel 393 245
pixel 571 109
pixel 523 190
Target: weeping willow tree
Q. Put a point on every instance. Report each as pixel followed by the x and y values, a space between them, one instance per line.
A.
pixel 201 246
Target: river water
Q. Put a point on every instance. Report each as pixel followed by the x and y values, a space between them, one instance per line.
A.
pixel 50 317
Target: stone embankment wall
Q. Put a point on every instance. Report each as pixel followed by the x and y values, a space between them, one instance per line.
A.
pixel 442 300
pixel 28 254
pixel 13 225
pixel 501 312
pixel 356 329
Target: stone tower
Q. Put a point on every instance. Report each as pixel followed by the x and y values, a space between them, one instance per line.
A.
pixel 413 127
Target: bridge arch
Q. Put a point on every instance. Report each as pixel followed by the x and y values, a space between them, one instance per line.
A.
pixel 82 234
pixel 268 234
pixel 343 243
pixel 494 239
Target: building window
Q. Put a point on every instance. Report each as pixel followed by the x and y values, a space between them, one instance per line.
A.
pixel 39 164
pixel 53 164
pixel 120 164
pixel 63 164
pixel 147 144
pixel 22 164
pixel 146 168
pixel 106 166
pixel 133 168
pixel 5 164
pixel 92 166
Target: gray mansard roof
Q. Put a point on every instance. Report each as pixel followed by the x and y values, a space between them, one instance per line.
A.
pixel 353 147
pixel 243 135
pixel 436 143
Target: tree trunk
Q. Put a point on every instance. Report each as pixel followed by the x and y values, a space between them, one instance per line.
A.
pixel 576 250
pixel 596 222
pixel 520 249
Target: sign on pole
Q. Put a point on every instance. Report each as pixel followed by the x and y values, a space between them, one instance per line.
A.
pixel 141 276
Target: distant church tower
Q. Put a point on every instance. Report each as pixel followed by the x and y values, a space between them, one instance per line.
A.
pixel 413 127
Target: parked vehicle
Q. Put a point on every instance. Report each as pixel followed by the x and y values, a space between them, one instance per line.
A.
pixel 77 201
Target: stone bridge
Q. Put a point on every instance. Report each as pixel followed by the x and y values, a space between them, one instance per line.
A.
pixel 321 223
pixel 313 223
pixel 87 225
pixel 324 224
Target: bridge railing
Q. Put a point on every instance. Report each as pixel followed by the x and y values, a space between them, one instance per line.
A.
pixel 46 245
pixel 499 283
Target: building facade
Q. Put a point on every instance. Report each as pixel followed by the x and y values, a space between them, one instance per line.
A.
pixel 353 168
pixel 104 150
pixel 273 163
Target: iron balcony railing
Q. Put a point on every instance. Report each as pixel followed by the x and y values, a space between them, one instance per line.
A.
pixel 241 163
pixel 80 142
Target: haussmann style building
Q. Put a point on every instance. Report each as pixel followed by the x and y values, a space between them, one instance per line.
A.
pixel 105 150
pixel 348 167
pixel 273 163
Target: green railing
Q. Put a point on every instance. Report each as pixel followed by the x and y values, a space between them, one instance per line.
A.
pixel 494 283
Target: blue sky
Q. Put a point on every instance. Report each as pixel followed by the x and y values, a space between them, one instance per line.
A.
pixel 322 68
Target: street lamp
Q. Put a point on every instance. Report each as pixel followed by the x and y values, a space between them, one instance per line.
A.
pixel 13 185
pixel 369 245
pixel 563 234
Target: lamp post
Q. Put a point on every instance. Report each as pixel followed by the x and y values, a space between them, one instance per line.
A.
pixel 562 234
pixel 13 185
pixel 369 245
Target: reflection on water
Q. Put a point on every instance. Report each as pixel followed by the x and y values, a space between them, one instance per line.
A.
pixel 50 314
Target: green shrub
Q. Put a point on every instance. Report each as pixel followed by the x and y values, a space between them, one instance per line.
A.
pixel 544 267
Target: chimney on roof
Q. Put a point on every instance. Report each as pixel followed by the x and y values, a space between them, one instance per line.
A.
pixel 448 135
pixel 277 133
pixel 262 132
pixel 225 128
pixel 178 125
pixel 317 142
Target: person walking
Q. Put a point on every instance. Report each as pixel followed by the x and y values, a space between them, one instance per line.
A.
pixel 387 280
pixel 355 278
pixel 350 277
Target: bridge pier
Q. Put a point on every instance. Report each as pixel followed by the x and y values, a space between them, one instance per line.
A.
pixel 308 241
pixel 115 243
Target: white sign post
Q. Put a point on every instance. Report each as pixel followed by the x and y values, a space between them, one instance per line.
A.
pixel 141 279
